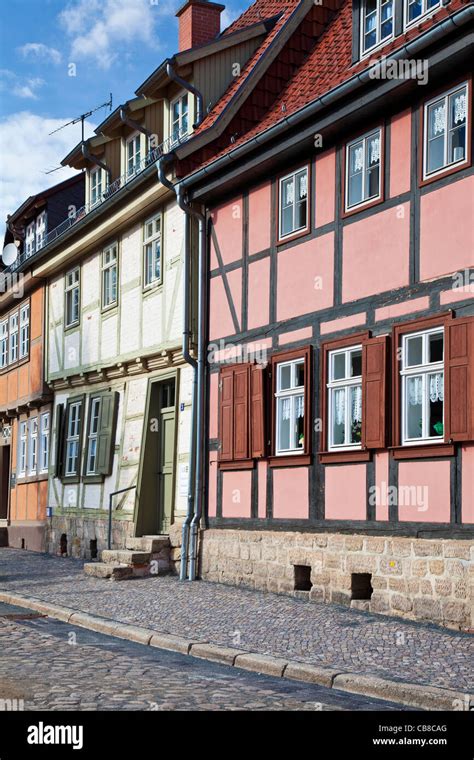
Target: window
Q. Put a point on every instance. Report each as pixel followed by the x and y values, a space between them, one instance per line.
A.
pixel 33 446
pixel 24 330
pixel 96 185
pixel 40 230
pixel 152 250
pixel 30 243
pixel 44 443
pixel 133 156
pixel 377 23
pixel 22 446
pixel 293 203
pixel 179 119
pixel 3 343
pixel 445 131
pixel 345 398
pixel 363 174
pixel 290 409
pixel 109 276
pixel 422 375
pixel 73 441
pixel 94 418
pixel 72 297
pixel 13 337
pixel 416 8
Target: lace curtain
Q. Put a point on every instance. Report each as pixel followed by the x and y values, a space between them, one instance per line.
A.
pixel 460 104
pixel 340 405
pixel 286 407
pixel 358 159
pixel 303 186
pixel 290 193
pixel 356 410
pixel 436 388
pixel 375 150
pixel 439 118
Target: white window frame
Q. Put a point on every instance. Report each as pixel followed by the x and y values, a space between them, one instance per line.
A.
pixel 107 275
pixel 364 140
pixel 445 98
pixel 24 347
pixel 346 383
pixel 72 284
pixel 13 334
pixel 425 12
pixel 4 343
pixel 179 121
pixel 33 446
pixel 135 140
pixel 378 27
pixel 44 442
pixel 150 240
pixel 73 442
pixel 30 238
pixel 424 369
pixel 291 393
pixel 22 448
pixel 95 188
pixel 296 230
pixel 40 230
pixel 92 434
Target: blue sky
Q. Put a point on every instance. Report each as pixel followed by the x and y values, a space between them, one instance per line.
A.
pixel 109 46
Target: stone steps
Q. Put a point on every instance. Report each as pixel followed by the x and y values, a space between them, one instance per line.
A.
pixel 143 556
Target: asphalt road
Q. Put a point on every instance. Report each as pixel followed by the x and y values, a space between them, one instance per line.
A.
pixel 49 665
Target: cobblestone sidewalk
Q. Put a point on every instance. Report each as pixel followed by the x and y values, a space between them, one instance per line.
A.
pixel 317 633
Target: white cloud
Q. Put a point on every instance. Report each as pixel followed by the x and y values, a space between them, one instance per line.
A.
pixel 100 29
pixel 28 152
pixel 22 87
pixel 38 52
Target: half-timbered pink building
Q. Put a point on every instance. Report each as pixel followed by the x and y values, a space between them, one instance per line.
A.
pixel 337 176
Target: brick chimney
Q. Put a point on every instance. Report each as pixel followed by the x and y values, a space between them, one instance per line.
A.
pixel 199 22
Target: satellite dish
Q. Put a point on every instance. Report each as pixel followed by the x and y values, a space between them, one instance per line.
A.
pixel 9 254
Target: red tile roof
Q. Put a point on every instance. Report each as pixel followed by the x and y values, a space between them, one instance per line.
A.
pixel 328 64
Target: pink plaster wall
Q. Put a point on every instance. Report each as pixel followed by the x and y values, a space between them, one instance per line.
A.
pixel 212 490
pixel 381 481
pixel 431 500
pixel 259 218
pixel 334 325
pixel 213 404
pixel 228 221
pixel 220 318
pixel 290 493
pixel 345 489
pixel 407 307
pixel 400 142
pixel 259 293
pixel 325 187
pixel 468 484
pixel 454 202
pixel 376 253
pixel 299 291
pixel 236 493
pixel 262 489
pixel 458 294
pixel 305 333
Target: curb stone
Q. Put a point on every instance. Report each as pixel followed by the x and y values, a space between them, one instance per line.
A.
pixel 421 696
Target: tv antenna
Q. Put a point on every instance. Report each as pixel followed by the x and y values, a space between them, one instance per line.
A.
pixel 83 117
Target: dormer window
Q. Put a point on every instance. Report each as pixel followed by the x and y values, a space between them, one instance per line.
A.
pixel 40 230
pixel 376 23
pixel 179 118
pixel 133 155
pixel 30 242
pixel 96 186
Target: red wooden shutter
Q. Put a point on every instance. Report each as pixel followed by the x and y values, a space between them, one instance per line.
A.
pixel 459 380
pixel 226 415
pixel 241 412
pixel 257 412
pixel 374 392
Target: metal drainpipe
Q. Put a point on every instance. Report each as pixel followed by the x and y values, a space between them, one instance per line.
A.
pixel 190 88
pixel 189 359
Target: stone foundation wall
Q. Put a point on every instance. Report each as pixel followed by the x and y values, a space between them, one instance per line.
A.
pixel 419 579
pixel 81 531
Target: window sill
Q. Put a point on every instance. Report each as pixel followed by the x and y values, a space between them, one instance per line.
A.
pixel 446 172
pixel 363 206
pixel 336 457
pixel 293 236
pixel 242 464
pixel 423 452
pixel 297 460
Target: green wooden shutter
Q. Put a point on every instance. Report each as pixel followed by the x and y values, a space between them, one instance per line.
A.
pixel 106 433
pixel 60 440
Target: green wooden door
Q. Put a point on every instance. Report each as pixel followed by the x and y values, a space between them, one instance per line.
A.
pixel 166 468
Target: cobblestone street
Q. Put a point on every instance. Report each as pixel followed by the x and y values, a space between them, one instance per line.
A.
pixel 51 665
pixel 310 632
